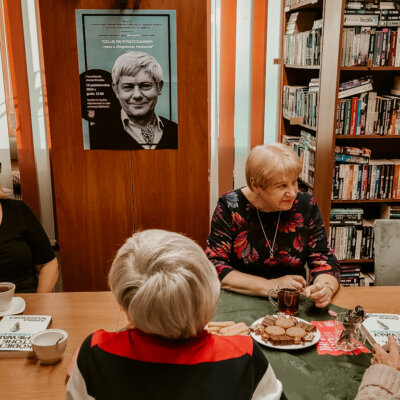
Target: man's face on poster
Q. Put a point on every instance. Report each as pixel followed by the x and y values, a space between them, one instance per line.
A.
pixel 138 94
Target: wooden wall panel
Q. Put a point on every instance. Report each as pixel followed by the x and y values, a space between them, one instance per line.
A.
pixel 258 71
pixel 226 143
pixel 171 188
pixel 19 81
pixel 102 196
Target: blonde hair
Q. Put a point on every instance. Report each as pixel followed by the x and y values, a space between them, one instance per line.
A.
pixel 165 283
pixel 269 161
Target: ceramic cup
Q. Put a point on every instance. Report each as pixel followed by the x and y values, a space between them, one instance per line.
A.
pixel 49 345
pixel 7 290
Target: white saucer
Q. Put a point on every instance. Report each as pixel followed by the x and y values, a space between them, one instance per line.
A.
pixel 17 307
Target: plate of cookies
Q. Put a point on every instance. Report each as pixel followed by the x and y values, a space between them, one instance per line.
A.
pixel 284 332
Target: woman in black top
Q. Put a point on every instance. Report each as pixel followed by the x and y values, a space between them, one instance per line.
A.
pixel 26 256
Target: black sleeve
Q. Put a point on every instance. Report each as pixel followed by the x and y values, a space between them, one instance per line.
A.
pixel 36 237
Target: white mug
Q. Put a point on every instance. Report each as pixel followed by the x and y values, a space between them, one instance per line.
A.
pixel 7 290
pixel 49 345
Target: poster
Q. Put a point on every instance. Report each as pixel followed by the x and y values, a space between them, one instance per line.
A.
pixel 128 79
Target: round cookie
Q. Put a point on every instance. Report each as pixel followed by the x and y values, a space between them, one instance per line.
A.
pixel 275 330
pixel 285 322
pixel 296 331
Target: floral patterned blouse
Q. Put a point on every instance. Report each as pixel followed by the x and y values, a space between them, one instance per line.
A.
pixel 237 242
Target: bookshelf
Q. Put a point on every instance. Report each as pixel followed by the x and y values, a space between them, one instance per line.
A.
pixel 331 72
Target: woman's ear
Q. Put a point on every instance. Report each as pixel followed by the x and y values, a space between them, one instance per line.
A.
pixel 253 186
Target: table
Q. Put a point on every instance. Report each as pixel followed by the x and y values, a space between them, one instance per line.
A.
pixel 305 375
pixel 82 313
pixel 79 314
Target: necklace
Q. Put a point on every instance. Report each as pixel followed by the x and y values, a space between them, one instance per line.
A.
pixel 271 248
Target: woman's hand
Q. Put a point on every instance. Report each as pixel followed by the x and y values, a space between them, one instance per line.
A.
pixel 290 281
pixel 321 293
pixel 391 359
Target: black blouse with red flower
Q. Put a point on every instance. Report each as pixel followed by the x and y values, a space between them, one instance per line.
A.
pixel 237 242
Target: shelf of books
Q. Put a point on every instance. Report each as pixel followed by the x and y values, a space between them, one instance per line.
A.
pixel 362 89
pixel 366 173
pixel 301 53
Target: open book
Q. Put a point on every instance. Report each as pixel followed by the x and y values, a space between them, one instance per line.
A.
pixel 16 331
pixel 378 326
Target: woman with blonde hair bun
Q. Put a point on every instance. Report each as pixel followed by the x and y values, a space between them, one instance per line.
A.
pixel 167 287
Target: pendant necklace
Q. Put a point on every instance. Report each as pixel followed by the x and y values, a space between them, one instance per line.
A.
pixel 271 249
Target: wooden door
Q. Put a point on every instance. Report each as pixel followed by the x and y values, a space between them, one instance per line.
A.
pixel 101 197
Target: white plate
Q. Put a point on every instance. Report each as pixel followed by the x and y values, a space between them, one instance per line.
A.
pixel 17 307
pixel 257 338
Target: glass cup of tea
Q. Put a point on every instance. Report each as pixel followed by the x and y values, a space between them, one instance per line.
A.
pixel 288 299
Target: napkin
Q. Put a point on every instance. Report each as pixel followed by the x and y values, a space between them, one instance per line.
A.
pixel 326 344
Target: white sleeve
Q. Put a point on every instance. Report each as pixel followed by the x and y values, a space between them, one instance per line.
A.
pixel 76 386
pixel 269 388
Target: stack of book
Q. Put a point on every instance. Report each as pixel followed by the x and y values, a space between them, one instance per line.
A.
pixel 306 151
pixel 368 114
pixel 350 176
pixel 302 48
pixel 364 45
pixel 301 102
pixel 305 147
pixel 346 232
pixel 357 177
pixel 351 236
pixel 355 86
pixel 389 211
pixel 372 13
pixel 350 275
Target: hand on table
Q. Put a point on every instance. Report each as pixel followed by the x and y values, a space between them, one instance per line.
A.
pixel 321 293
pixel 392 358
pixel 291 281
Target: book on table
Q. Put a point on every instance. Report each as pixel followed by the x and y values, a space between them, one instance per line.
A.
pixel 16 331
pixel 377 327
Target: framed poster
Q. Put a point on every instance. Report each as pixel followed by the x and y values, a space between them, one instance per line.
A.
pixel 128 79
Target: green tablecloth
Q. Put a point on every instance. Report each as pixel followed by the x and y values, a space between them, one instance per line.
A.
pixel 305 375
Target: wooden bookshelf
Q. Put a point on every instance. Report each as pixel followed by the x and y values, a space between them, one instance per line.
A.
pixel 330 11
pixel 330 74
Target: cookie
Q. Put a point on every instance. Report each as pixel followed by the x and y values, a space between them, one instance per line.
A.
pixel 285 322
pixel 309 337
pixel 268 320
pixel 296 332
pixel 275 330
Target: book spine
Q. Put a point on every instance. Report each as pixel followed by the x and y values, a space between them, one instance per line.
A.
pixel 358 124
pixel 353 120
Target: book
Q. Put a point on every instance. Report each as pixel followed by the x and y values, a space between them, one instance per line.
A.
pixel 355 90
pixel 16 331
pixel 378 326
pixel 360 20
